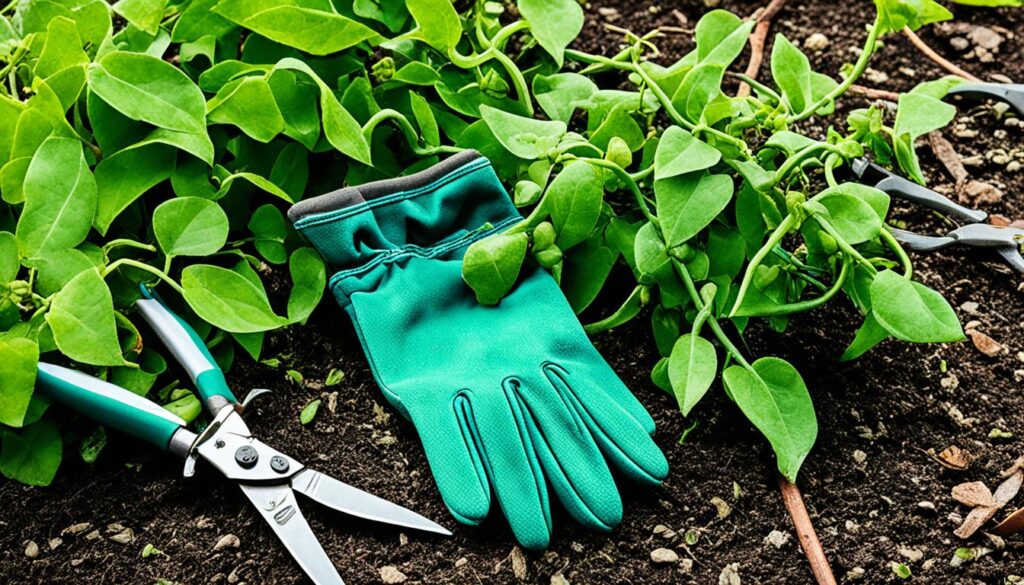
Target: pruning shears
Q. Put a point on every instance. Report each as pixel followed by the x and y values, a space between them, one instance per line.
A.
pixel 1007 241
pixel 267 477
pixel 1010 93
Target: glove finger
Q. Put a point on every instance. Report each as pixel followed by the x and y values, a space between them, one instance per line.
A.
pixel 606 378
pixel 514 471
pixel 624 441
pixel 572 461
pixel 454 458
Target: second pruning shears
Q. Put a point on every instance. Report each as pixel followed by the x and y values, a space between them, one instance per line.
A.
pixel 266 476
pixel 1007 241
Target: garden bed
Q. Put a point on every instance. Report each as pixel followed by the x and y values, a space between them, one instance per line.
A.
pixel 875 495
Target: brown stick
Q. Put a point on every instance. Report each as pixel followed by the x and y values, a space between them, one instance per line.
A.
pixel 874 94
pixel 757 40
pixel 805 532
pixel 937 58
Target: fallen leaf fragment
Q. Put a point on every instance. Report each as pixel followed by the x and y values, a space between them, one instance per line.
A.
pixel 1006 491
pixel 1012 524
pixel 952 457
pixel 984 343
pixel 974 494
pixel 519 564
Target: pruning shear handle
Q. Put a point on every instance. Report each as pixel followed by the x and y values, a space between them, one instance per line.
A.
pixel 116 407
pixel 188 348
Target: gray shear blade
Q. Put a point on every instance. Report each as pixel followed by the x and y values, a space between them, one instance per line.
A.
pixel 277 505
pixel 351 500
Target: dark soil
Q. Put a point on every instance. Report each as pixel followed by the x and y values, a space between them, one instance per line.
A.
pixel 888 408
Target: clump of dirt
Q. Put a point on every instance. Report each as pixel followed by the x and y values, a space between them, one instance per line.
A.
pixel 874 493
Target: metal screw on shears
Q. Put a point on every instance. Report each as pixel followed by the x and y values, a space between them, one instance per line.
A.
pixel 279 464
pixel 246 456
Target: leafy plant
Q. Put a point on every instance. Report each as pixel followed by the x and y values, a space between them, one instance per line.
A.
pixel 164 150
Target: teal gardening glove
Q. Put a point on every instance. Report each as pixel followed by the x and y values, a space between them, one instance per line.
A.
pixel 512 397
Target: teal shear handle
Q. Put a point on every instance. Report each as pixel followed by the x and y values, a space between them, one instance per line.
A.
pixel 188 348
pixel 115 407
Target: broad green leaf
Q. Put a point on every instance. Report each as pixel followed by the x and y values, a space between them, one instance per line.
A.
pixel 149 89
pixel 143 14
pixel 855 220
pixel 268 225
pixel 439 24
pixel 309 411
pixel 491 265
pixel 425 119
pixel 254 180
pixel 10 263
pixel 91 17
pixel 81 317
pixel 699 87
pixel 692 367
pixel 312 26
pixel 575 197
pixel 33 455
pixel 60 199
pixel 870 334
pixel 893 15
pixel 297 100
pixel 554 23
pixel 619 124
pixel 198 20
pixel 17 378
pixel 341 129
pixel 309 279
pixel 184 405
pixel 721 36
pixel 416 73
pixel 524 137
pixel 726 250
pixel 792 73
pixel 227 300
pixel 773 396
pixel 911 311
pixel 918 114
pixel 249 104
pixel 584 272
pixel 653 265
pixel 560 94
pixel 55 269
pixel 124 176
pixel 687 204
pixel 62 48
pixel 190 226
pixel 679 153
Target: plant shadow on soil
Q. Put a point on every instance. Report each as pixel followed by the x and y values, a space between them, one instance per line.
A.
pixel 891 406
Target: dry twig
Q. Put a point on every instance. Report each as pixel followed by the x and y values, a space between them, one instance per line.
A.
pixel 805 533
pixel 874 94
pixel 757 40
pixel 937 58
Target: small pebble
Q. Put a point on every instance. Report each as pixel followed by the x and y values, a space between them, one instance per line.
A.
pixel 55 542
pixel 664 556
pixel 730 575
pixel 227 541
pixel 123 537
pixel 926 505
pixel 31 549
pixel 860 457
pixel 817 42
pixel 855 574
pixel 911 554
pixel 777 538
pixel 391 575
pixel 959 43
pixel 559 579
pixel 76 529
pixel 970 307
pixel 461 562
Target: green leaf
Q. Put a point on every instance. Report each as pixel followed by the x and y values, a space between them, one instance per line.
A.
pixel 439 24
pixel 81 317
pixel 576 196
pixel 309 412
pixel 425 119
pixel 190 226
pixel 699 87
pixel 911 311
pixel 33 455
pixel 309 278
pixel 893 15
pixel 249 104
pixel 17 378
pixel 918 114
pixel 60 199
pixel 688 203
pixel 792 73
pixel 10 262
pixel 524 137
pixel 334 377
pixel 92 18
pixel 198 20
pixel 61 49
pixel 150 90
pixel 491 265
pixel 618 124
pixel 855 220
pixel 584 273
pixel 227 300
pixel 721 36
pixel 124 176
pixel 554 23
pixel 560 94
pixel 341 129
pixel 773 396
pixel 184 405
pixel 311 26
pixel 143 14
pixel 679 153
pixel 692 367
pixel 870 334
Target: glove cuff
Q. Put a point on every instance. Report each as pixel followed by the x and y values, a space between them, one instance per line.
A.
pixel 438 207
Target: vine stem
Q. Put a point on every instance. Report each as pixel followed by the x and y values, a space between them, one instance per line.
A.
pixel 858 69
pixel 807 305
pixel 809 542
pixel 716 328
pixel 773 240
pixel 844 245
pixel 894 245
pixel 407 130
pixel 625 178
pixel 937 58
pixel 142 266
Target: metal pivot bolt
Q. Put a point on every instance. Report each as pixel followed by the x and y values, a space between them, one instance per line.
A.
pixel 279 464
pixel 246 456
